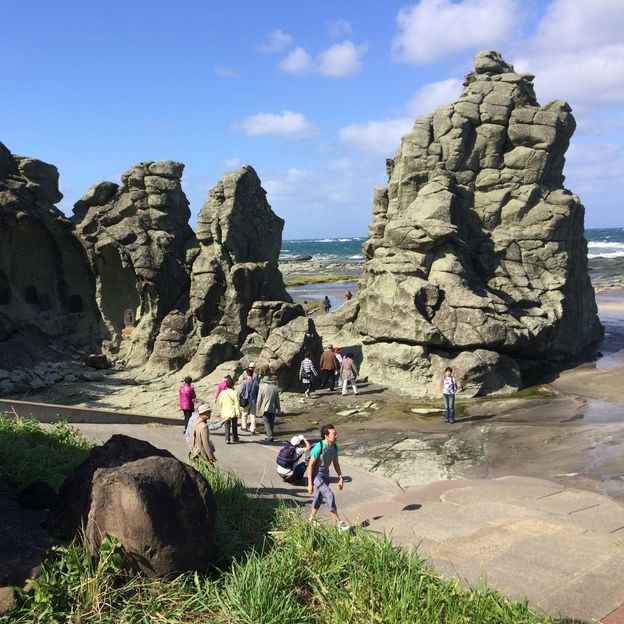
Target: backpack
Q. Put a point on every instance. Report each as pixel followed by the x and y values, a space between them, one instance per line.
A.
pixel 287 456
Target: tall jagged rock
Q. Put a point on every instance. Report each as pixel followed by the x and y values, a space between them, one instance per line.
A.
pixel 476 257
pixel 239 239
pixel 137 237
pixel 46 288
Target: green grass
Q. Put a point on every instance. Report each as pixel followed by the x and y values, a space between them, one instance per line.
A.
pixel 272 567
pixel 302 280
pixel 30 453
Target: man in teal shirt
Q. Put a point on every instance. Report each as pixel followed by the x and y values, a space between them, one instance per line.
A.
pixel 322 455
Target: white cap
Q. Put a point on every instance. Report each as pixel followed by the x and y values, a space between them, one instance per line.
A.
pixel 295 440
pixel 251 365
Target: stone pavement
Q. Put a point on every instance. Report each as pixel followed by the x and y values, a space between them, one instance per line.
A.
pixel 562 549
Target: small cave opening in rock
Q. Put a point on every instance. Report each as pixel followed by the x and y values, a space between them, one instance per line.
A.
pixel 118 290
pixel 31 295
pixel 75 304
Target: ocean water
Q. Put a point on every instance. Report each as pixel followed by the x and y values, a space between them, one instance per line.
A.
pixel 601 243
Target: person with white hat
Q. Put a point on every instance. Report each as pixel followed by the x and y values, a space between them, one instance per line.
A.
pixel 289 464
pixel 201 448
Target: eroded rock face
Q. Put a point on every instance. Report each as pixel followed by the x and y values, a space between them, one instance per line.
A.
pixel 137 237
pixel 476 257
pixel 46 288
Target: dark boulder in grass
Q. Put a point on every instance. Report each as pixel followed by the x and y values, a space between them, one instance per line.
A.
pixel 162 510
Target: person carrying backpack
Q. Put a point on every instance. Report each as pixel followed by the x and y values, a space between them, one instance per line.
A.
pixel 289 466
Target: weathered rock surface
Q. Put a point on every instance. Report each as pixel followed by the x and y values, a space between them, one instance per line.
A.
pixel 46 288
pixel 476 257
pixel 162 510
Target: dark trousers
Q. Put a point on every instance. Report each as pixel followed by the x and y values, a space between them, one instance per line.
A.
pixel 233 423
pixel 187 415
pixel 269 423
pixel 328 375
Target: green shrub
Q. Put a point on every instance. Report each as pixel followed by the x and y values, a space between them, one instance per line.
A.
pixel 30 452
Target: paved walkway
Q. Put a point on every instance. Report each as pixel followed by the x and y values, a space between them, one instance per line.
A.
pixel 560 548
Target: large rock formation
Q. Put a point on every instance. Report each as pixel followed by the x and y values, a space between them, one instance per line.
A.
pixel 46 288
pixel 148 290
pixel 475 256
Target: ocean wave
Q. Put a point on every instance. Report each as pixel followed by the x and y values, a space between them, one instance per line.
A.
pixel 595 244
pixel 356 257
pixel 612 254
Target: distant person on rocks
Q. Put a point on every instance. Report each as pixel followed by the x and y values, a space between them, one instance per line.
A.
pixel 326 304
pixel 340 358
pixel 329 366
pixel 348 295
pixel 230 411
pixel 195 417
pixel 305 307
pixel 187 399
pixel 201 448
pixel 307 373
pixel 322 456
pixel 247 401
pixel 250 371
pixel 449 389
pixel 348 373
pixel 268 406
pixel 290 464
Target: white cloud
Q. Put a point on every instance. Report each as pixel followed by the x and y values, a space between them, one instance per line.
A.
pixel 339 60
pixel 297 62
pixel 379 137
pixel 276 42
pixel 232 163
pixel 436 29
pixel 432 95
pixel 225 72
pixel 339 28
pixel 287 125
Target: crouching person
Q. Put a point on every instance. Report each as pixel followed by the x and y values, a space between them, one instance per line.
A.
pixel 290 465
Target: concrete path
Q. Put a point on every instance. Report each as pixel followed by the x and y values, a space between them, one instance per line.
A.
pixel 560 548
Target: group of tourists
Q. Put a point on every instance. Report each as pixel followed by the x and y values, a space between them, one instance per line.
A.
pixel 255 397
pixel 333 365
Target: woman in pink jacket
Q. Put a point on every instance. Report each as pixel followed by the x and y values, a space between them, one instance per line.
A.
pixel 187 399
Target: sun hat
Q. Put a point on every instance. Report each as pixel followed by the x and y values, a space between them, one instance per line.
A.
pixel 295 440
pixel 251 365
pixel 204 408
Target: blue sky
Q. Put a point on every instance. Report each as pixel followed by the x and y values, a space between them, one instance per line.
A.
pixel 314 96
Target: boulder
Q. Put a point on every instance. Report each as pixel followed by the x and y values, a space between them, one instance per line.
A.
pixel 37 495
pixel 162 511
pixel 74 496
pixel 475 256
pixel 97 361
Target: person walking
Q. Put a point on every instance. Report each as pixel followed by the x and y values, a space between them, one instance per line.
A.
pixel 187 399
pixel 230 411
pixel 340 358
pixel 324 454
pixel 329 365
pixel 201 448
pixel 348 373
pixel 247 402
pixel 449 390
pixel 195 417
pixel 268 406
pixel 348 295
pixel 307 373
pixel 289 460
pixel 221 386
pixel 326 304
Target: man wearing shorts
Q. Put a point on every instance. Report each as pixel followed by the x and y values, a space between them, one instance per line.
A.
pixel 322 455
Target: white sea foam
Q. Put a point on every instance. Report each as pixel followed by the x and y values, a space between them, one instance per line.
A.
pixel 356 257
pixel 612 254
pixel 595 244
pixel 325 240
